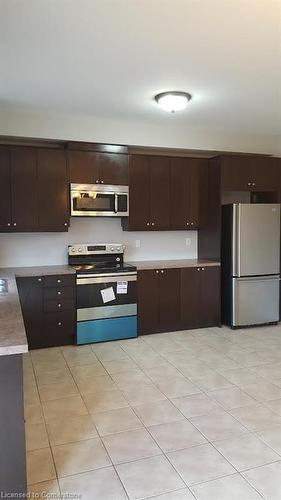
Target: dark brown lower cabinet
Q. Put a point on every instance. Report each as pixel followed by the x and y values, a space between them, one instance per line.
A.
pixel 12 433
pixel 178 299
pixel 158 300
pixel 200 297
pixel 49 312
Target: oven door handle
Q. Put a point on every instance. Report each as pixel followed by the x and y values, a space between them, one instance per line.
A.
pixel 116 203
pixel 105 279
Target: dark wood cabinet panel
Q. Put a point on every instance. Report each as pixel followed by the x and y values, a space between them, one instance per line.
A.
pixel 147 292
pixel 31 299
pixel 159 192
pixel 113 169
pixel 236 173
pixel 210 301
pixel 57 293
pixel 178 299
pixel 24 189
pixel 46 324
pixel 59 280
pixel 185 194
pixel 139 194
pixel 83 167
pixel 180 194
pixel 190 301
pixel 88 167
pixel 5 183
pixel 265 174
pixel 53 207
pixel 169 300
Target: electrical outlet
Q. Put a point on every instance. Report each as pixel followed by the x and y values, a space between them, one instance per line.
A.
pixel 188 242
pixel 138 243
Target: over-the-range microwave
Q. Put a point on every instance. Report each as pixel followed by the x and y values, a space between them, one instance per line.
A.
pixel 92 200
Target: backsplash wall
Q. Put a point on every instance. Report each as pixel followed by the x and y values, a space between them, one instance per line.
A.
pixel 32 249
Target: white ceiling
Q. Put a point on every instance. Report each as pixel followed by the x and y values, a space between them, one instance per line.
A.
pixel 109 57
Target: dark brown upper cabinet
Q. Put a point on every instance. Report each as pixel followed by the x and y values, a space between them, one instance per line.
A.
pixel 164 193
pixel 185 175
pixel 24 188
pixel 249 173
pixel 53 208
pixel 35 189
pixel 149 193
pixel 5 183
pixel 88 167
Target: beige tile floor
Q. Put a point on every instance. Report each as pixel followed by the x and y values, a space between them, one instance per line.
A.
pixel 175 416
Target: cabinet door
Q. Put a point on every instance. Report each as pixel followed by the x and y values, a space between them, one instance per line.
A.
pixel 180 193
pixel 210 302
pixel 24 189
pixel 169 300
pixel 31 299
pixel 190 297
pixel 52 190
pixel 265 174
pixel 147 298
pixel 194 166
pixel 139 193
pixel 5 183
pixel 236 173
pixel 113 169
pixel 159 192
pixel 83 167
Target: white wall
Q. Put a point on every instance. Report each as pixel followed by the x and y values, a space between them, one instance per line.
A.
pixel 31 249
pixel 169 133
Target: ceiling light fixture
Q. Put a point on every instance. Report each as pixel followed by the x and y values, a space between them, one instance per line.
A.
pixel 172 101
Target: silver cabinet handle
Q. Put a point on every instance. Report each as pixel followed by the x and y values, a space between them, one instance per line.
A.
pixel 39 279
pixel 97 181
pixel 203 268
pixel 153 223
pixel 59 305
pixel 249 184
pixel 198 268
pixel 162 271
pixel 58 281
pixel 157 272
pixel 59 323
pixel 192 223
pixel 148 224
pixel 15 223
pixel 66 224
pixel 253 183
pixel 101 182
pixel 59 293
pixel 187 223
pixel 8 224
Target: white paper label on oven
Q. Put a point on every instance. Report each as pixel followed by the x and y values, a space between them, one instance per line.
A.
pixel 122 287
pixel 107 294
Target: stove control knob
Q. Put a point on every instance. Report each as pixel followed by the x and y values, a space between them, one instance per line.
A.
pixel 79 249
pixel 118 249
pixel 112 249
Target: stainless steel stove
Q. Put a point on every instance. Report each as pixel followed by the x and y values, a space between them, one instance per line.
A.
pixel 106 292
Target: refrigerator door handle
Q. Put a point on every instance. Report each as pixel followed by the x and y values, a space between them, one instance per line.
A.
pixel 259 278
pixel 236 240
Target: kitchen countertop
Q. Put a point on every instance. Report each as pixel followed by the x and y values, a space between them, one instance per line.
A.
pixel 143 265
pixel 12 331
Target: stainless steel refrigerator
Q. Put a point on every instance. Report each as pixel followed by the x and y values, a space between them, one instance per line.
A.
pixel 250 264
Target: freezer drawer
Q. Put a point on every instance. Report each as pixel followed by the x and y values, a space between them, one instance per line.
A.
pixel 255 300
pixel 256 239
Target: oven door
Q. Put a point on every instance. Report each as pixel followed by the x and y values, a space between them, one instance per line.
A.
pixel 106 307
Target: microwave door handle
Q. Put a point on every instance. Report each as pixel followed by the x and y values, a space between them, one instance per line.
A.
pixel 116 203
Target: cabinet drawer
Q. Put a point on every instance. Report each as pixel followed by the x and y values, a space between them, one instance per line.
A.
pixel 59 328
pixel 59 305
pixel 57 293
pixel 59 280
